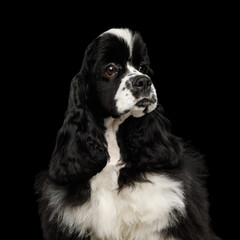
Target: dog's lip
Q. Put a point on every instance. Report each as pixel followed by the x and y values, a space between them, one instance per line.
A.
pixel 145 102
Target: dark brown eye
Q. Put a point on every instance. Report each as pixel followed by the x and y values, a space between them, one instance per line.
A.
pixel 143 69
pixel 110 70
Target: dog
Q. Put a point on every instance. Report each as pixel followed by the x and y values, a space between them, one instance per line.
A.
pixel 117 172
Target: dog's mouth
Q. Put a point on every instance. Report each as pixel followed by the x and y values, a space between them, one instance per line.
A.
pixel 145 102
pixel 141 107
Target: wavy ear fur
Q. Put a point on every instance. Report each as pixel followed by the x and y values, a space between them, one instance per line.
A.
pixel 147 145
pixel 80 151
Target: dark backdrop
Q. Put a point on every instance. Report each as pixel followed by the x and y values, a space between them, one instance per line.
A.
pixel 188 52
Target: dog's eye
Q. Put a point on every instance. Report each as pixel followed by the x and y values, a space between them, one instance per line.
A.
pixel 143 69
pixel 110 70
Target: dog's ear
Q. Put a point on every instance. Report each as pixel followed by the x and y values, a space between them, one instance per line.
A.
pixel 148 143
pixel 80 151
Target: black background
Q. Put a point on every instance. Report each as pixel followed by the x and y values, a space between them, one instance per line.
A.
pixel 189 48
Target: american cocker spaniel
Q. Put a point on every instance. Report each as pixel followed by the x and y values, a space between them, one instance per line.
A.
pixel 117 172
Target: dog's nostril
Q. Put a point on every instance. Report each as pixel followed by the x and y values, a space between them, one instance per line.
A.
pixel 140 84
pixel 149 82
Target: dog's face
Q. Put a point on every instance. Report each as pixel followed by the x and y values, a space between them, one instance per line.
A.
pixel 119 66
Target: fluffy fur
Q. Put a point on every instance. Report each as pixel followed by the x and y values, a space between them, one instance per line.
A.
pixel 117 172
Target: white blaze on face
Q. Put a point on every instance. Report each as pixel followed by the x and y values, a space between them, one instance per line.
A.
pixel 123 33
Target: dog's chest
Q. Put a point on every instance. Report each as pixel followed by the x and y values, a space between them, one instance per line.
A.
pixel 140 212
pixel 134 213
pixel 137 212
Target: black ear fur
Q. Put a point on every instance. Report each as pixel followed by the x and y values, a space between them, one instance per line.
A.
pixel 148 145
pixel 80 151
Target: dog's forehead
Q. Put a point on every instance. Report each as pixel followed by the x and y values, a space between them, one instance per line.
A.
pixel 122 33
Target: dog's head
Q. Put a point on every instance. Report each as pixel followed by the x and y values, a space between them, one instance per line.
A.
pixel 116 68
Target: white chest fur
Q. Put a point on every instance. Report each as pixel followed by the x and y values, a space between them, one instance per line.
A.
pixel 110 135
pixel 134 213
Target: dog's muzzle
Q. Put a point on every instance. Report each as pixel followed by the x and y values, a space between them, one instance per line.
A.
pixel 144 91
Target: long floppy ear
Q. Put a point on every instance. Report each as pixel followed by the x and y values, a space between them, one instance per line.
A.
pixel 148 144
pixel 80 151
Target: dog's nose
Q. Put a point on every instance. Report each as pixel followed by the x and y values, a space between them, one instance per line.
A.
pixel 142 82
